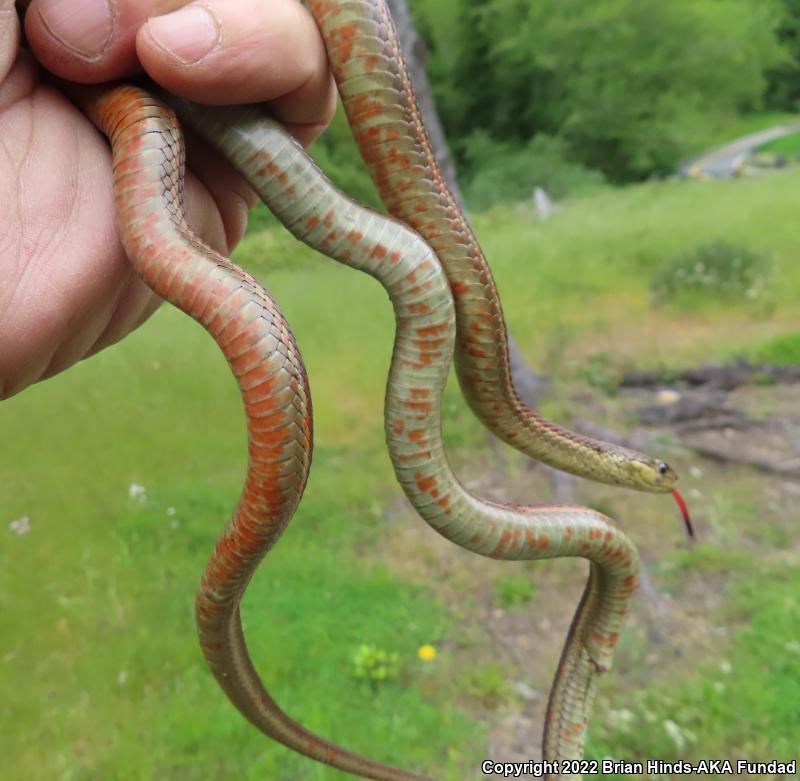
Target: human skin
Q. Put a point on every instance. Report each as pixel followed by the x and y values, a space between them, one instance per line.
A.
pixel 66 287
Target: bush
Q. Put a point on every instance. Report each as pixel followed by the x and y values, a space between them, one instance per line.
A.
pixel 507 172
pixel 720 270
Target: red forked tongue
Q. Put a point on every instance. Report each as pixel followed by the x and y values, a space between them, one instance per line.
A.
pixel 684 512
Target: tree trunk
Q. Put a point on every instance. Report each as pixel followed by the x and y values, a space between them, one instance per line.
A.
pixel 529 385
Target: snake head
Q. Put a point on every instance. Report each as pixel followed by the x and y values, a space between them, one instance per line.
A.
pixel 667 477
pixel 651 474
pixel 659 477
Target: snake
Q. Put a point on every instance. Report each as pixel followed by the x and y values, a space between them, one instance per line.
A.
pixel 445 301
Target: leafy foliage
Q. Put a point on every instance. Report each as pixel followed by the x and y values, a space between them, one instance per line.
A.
pixel 624 82
pixel 718 270
pixel 507 171
pixel 783 91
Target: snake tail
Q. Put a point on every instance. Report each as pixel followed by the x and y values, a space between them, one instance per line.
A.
pixel 256 340
pixel 316 212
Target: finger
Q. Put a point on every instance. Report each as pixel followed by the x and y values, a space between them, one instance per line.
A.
pixel 248 51
pixel 90 41
pixel 9 36
pixel 260 50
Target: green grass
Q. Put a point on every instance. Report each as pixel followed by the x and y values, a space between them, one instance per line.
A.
pixel 745 705
pixel 788 146
pixel 100 665
pixel 514 591
pixel 783 350
pixel 578 282
pixel 100 674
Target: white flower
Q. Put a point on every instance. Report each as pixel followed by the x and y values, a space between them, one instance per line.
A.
pixel 674 731
pixel 136 491
pixel 21 526
pixel 171 511
pixel 725 667
pixel 122 677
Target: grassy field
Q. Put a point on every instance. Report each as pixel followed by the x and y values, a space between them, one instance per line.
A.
pixel 788 146
pixel 127 466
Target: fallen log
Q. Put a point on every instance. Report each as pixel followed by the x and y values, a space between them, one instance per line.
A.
pixel 725 377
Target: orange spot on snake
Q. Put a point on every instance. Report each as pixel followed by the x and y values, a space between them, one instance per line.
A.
pixel 432 330
pixel 345 36
pixel 425 484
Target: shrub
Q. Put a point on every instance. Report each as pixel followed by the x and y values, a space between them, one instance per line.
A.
pixel 720 270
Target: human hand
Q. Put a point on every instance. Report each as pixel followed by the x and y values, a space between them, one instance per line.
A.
pixel 66 287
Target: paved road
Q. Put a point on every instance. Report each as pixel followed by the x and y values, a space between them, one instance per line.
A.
pixel 726 161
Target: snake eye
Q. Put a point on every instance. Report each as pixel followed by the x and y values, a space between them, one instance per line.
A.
pixel 662 468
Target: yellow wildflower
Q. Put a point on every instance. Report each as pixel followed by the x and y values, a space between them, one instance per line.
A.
pixel 427 653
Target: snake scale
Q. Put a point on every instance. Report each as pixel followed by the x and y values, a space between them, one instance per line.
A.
pixel 445 302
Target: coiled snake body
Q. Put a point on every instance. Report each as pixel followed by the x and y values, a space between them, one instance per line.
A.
pixel 444 299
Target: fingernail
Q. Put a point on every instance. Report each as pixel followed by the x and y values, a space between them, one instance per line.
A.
pixel 189 34
pixel 83 26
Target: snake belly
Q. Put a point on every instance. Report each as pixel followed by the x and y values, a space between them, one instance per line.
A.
pixel 256 340
pixel 316 212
